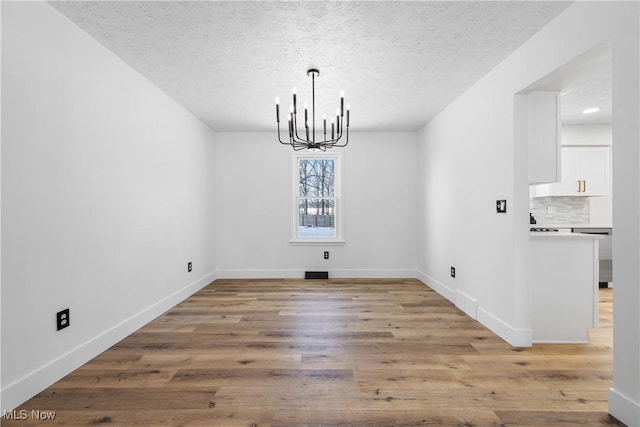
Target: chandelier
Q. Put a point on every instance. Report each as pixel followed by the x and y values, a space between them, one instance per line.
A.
pixel 308 140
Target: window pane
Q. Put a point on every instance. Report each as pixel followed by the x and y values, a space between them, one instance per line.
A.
pixel 316 217
pixel 316 177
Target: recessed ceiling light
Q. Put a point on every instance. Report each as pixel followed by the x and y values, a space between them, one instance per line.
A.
pixel 590 110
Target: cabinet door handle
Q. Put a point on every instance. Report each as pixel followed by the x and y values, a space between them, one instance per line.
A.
pixel 582 186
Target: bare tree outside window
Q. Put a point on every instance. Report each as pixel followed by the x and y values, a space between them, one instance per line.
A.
pixel 316 198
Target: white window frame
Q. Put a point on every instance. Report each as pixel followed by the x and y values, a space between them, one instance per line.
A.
pixel 336 156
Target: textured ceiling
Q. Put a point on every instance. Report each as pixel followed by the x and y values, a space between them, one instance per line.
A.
pixel 399 63
pixel 594 92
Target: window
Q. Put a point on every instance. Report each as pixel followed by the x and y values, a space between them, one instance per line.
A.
pixel 316 198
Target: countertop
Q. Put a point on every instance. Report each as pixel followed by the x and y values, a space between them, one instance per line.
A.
pixel 564 235
pixel 565 226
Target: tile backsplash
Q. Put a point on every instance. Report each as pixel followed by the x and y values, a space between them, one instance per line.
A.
pixel 568 210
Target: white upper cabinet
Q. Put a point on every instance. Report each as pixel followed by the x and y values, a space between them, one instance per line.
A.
pixel 543 137
pixel 570 172
pixel 595 170
pixel 586 171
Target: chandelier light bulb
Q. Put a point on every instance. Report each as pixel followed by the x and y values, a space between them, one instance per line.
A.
pixel 294 90
pixel 277 100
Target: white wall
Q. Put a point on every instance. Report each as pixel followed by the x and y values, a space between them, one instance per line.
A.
pixel 0 209
pixel 254 195
pixel 586 134
pixel 107 192
pixel 466 164
pixel 471 154
pixel 624 395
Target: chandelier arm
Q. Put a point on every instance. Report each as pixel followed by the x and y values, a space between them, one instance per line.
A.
pixel 340 145
pixel 290 122
pixel 298 147
pixel 279 138
pixel 295 143
pixel 338 136
pixel 339 128
pixel 345 143
pixel 298 140
pixel 334 142
pixel 330 144
pixel 295 128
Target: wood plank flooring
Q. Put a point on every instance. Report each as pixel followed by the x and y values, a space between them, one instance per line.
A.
pixel 331 353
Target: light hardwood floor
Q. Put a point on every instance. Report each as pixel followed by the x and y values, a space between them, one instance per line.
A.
pixel 331 353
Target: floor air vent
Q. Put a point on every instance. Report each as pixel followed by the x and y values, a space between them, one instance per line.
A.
pixel 316 274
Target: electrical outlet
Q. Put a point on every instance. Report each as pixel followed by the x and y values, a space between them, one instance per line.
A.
pixel 453 272
pixel 326 254
pixel 62 319
pixel 189 267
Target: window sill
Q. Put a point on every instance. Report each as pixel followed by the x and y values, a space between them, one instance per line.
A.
pixel 317 242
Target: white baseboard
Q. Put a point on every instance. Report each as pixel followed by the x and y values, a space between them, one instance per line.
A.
pixel 333 274
pixel 559 342
pixel 260 274
pixel 623 408
pixel 467 304
pixel 437 286
pixel 515 337
pixel 373 274
pixel 33 383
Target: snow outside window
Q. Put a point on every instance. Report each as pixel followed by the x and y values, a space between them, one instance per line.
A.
pixel 316 207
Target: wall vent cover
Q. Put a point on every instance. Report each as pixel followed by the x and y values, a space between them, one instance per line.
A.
pixel 316 274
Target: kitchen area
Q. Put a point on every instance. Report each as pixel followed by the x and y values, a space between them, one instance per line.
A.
pixel 570 205
pixel 581 202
